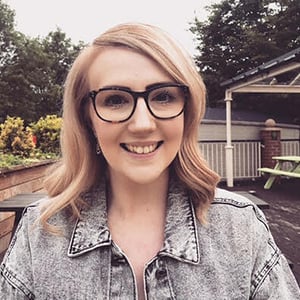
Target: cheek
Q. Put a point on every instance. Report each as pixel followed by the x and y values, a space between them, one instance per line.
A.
pixel 108 137
pixel 175 131
pixel 104 135
pixel 99 128
pixel 97 124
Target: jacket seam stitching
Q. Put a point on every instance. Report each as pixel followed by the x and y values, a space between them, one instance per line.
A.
pixel 12 279
pixel 261 276
pixel 237 204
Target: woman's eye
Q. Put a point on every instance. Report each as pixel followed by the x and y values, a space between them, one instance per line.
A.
pixel 163 97
pixel 115 100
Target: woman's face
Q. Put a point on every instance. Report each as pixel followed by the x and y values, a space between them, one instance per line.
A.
pixel 141 149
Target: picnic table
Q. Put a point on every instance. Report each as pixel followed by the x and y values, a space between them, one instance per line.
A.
pixel 292 171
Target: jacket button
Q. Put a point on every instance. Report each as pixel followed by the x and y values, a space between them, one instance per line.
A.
pixel 160 273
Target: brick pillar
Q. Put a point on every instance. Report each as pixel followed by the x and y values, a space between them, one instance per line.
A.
pixel 271 145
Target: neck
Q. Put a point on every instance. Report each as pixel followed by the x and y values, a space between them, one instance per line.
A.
pixel 130 199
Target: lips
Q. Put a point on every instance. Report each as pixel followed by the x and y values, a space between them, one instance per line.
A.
pixel 141 149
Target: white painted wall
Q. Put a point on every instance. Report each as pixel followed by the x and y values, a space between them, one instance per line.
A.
pixel 211 130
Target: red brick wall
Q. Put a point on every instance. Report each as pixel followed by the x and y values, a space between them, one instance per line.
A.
pixel 271 146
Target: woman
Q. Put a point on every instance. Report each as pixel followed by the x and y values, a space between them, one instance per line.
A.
pixel 132 211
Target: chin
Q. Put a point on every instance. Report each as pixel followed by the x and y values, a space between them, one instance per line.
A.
pixel 148 178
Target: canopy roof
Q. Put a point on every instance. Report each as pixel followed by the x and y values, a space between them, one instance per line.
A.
pixel 279 75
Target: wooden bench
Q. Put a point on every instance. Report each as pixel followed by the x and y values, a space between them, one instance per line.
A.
pixel 292 171
pixel 276 172
pixel 279 172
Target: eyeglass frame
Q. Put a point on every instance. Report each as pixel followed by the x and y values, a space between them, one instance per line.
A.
pixel 136 95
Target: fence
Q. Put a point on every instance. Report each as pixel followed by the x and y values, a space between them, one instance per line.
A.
pixel 290 147
pixel 246 156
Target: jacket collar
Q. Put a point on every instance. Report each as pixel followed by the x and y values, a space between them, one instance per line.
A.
pixel 181 238
pixel 91 230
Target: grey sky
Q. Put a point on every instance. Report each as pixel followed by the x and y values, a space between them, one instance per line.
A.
pixel 84 20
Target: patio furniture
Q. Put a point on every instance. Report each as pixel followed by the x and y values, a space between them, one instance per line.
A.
pixel 293 171
pixel 17 204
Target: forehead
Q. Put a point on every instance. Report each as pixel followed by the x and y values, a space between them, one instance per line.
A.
pixel 124 67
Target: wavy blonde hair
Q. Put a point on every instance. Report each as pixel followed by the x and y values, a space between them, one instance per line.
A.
pixel 80 168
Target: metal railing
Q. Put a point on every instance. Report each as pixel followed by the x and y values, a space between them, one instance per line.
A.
pixel 246 156
pixel 290 147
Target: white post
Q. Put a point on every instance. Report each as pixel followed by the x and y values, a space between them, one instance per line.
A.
pixel 228 147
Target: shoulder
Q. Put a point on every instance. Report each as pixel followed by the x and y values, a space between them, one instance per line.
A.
pixel 231 198
pixel 33 212
pixel 241 223
pixel 235 207
pixel 31 235
pixel 32 248
pixel 237 239
pixel 237 220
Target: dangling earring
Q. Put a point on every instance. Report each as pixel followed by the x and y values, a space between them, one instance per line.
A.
pixel 98 148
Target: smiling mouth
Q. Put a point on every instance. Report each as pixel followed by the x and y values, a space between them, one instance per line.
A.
pixel 141 149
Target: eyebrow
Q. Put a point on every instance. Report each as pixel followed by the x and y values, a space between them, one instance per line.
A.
pixel 152 85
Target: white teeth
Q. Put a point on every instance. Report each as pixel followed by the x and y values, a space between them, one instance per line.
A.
pixel 146 149
pixel 141 149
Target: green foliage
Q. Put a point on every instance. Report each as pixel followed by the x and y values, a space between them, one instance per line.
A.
pixel 8 160
pixel 17 142
pixel 6 32
pixel 32 70
pixel 15 138
pixel 240 35
pixel 47 131
pixel 61 53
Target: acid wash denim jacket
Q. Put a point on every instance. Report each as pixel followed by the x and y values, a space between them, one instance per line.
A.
pixel 233 256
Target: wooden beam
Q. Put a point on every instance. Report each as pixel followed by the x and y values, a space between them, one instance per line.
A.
pixel 273 89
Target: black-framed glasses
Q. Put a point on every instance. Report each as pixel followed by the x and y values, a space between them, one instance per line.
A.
pixel 117 104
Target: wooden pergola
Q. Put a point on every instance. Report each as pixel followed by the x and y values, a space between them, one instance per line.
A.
pixel 263 79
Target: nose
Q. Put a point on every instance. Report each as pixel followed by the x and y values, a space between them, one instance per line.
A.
pixel 142 120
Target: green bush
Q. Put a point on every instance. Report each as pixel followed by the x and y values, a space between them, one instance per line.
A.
pixel 47 131
pixel 15 138
pixel 39 141
pixel 8 160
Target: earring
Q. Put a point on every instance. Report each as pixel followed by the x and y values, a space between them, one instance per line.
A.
pixel 98 148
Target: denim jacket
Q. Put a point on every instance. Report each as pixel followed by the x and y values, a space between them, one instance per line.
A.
pixel 233 256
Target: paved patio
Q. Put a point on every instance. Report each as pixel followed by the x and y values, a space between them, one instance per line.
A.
pixel 283 214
